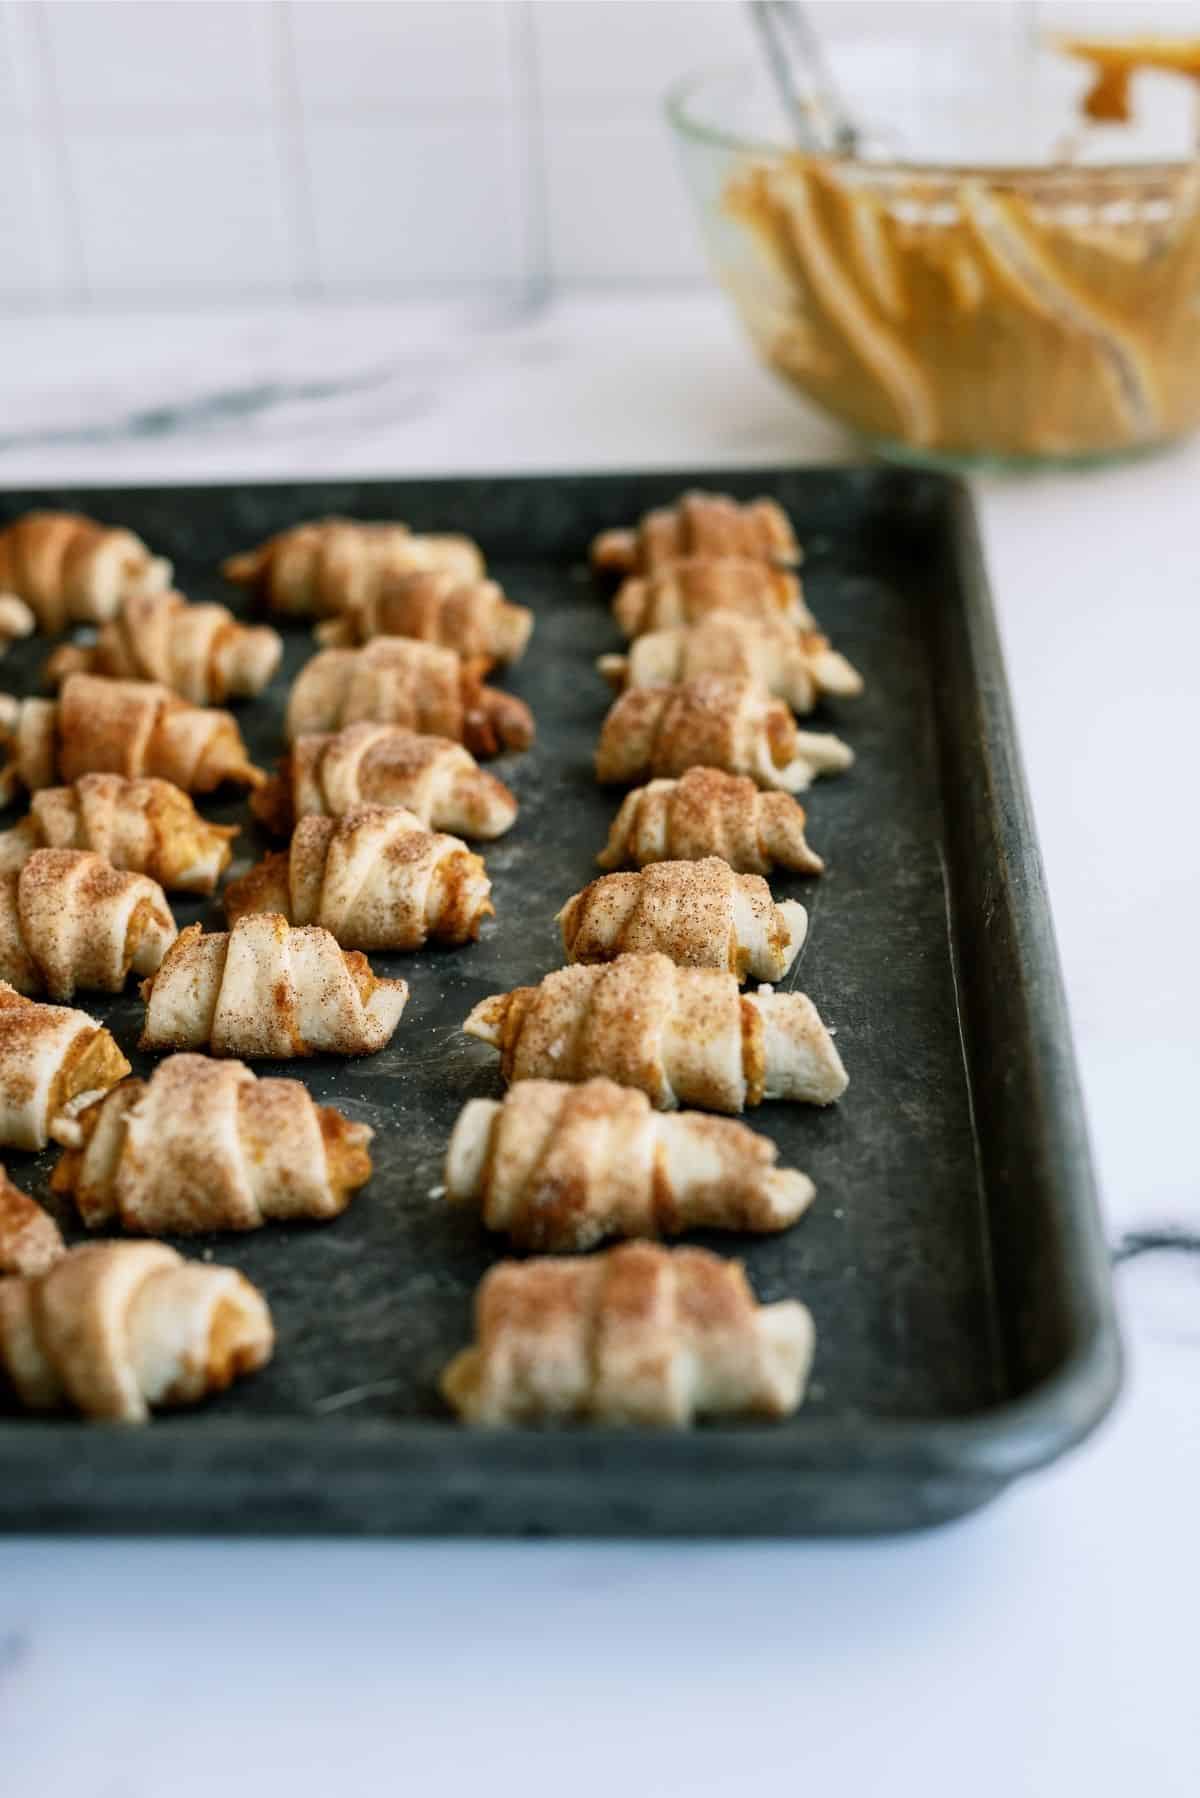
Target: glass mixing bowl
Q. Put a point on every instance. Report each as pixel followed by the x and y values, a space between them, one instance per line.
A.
pixel 989 278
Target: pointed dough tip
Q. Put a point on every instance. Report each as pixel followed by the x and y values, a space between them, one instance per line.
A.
pixel 486 1020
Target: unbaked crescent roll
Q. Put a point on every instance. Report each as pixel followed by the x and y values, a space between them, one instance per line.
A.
pixel 385 764
pixel 558 1168
pixel 688 592
pixel 133 728
pixel 146 826
pixel 799 667
pixel 70 921
pixel 375 879
pixel 116 1329
pixel 707 812
pixel 206 1145
pixel 53 1062
pixel 683 1036
pixel 264 990
pixel 200 652
pixel 709 525
pixel 715 721
pixel 472 617
pixel 395 680
pixel 701 914
pixel 639 1335
pixel 335 564
pixel 16 620
pixel 71 570
pixel 30 1240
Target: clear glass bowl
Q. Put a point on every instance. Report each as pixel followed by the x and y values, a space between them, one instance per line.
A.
pixel 988 279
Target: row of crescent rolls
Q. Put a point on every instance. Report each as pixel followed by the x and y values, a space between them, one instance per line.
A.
pixel 203 1144
pixel 589 1142
pixel 400 654
pixel 110 1329
pixel 112 761
pixel 379 783
pixel 61 569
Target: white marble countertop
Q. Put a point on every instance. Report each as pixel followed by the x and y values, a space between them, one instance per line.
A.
pixel 1042 1645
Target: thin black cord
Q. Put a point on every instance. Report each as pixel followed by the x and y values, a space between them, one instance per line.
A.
pixel 1148 1242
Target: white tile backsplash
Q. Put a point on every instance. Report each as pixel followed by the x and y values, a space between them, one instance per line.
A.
pixel 434 203
pixel 199 209
pixel 1110 18
pixel 28 268
pixel 618 211
pixel 427 53
pixel 113 55
pixel 629 53
pixel 198 147
pixel 18 64
pixel 39 261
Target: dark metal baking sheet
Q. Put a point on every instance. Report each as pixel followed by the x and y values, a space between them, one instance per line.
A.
pixel 953 1259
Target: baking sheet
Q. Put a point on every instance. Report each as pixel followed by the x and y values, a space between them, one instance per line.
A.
pixel 951 1259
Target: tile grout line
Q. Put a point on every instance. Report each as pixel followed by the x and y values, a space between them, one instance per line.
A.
pixel 24 151
pixel 137 116
pixel 49 126
pixel 296 169
pixel 531 139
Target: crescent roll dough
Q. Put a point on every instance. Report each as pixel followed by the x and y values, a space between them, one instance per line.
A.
pixel 394 680
pixel 709 525
pixel 71 570
pixel 68 920
pixel 375 879
pixel 16 620
pixel 688 592
pixel 335 565
pixel 639 1335
pixel 701 914
pixel 200 652
pixel 146 826
pixel 115 1329
pixel 707 812
pixel 133 728
pixel 559 1168
pixel 53 1061
pixel 206 1145
pixel 683 1036
pixel 30 1240
pixel 263 989
pixel 472 617
pixel 799 667
pixel 384 764
pixel 715 721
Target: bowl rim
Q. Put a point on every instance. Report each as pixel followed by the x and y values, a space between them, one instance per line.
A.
pixel 676 105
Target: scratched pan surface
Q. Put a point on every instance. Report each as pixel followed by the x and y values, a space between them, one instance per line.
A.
pixel 952 1259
